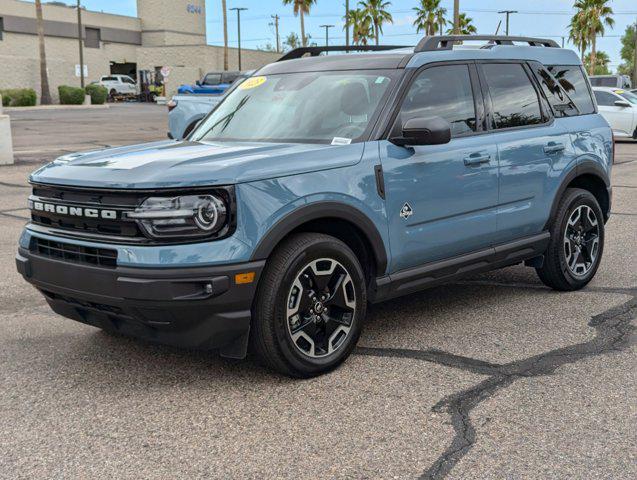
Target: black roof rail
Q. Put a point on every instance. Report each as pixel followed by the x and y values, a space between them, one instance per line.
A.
pixel 445 42
pixel 316 51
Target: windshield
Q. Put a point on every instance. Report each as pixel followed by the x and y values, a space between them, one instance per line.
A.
pixel 631 97
pixel 316 107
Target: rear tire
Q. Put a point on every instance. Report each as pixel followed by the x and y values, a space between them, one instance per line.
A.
pixel 577 242
pixel 310 306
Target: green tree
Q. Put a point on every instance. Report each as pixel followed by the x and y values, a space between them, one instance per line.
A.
pixel 594 16
pixel 466 26
pixel 628 53
pixel 601 63
pixel 361 25
pixel 441 19
pixel 429 16
pixel 578 33
pixel 301 8
pixel 291 42
pixel 377 12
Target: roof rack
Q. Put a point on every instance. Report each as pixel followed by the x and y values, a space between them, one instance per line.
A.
pixel 445 42
pixel 315 51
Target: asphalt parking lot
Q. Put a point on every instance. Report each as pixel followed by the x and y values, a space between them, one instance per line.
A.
pixel 492 377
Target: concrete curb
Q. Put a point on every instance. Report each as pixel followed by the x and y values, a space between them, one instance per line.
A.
pixel 54 107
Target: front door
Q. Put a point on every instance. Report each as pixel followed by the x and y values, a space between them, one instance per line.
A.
pixel 441 199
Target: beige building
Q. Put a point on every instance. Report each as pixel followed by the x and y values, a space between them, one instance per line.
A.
pixel 166 33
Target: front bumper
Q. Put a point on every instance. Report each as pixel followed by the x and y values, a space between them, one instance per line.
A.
pixel 197 307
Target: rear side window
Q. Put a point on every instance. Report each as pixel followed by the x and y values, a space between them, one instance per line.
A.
pixel 561 104
pixel 572 80
pixel 514 100
pixel 445 92
pixel 109 79
pixel 605 99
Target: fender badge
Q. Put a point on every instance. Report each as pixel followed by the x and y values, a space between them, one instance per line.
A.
pixel 406 211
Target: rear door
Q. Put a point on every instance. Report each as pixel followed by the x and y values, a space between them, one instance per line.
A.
pixel 531 146
pixel 620 118
pixel 441 199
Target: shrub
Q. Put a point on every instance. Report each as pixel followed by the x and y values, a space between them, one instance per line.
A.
pixel 98 94
pixel 71 95
pixel 18 97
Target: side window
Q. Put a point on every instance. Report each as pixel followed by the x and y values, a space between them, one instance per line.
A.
pixel 1 27
pixel 513 97
pixel 605 99
pixel 445 92
pixel 561 104
pixel 572 80
pixel 212 79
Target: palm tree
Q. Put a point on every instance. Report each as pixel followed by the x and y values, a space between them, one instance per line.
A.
pixel 301 8
pixel 465 25
pixel 225 34
pixel 441 20
pixel 377 12
pixel 361 25
pixel 45 97
pixel 594 15
pixel 602 61
pixel 577 33
pixel 426 16
pixel 456 17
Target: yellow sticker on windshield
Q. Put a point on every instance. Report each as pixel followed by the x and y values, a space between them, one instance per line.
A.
pixel 252 83
pixel 619 91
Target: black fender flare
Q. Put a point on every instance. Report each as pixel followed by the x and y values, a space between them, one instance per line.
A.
pixel 585 167
pixel 316 211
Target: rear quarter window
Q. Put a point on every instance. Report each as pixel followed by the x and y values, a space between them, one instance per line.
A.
pixel 572 79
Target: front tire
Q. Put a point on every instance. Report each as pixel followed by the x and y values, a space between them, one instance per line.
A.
pixel 310 306
pixel 577 242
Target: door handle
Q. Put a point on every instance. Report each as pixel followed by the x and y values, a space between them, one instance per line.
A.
pixel 553 147
pixel 477 159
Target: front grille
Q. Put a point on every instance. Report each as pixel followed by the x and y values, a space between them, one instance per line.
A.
pixel 100 257
pixel 120 228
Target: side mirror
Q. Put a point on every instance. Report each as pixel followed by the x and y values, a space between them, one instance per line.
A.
pixel 424 131
pixel 198 83
pixel 622 103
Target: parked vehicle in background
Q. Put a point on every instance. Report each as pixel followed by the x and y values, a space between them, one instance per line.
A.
pixel 617 81
pixel 323 183
pixel 619 108
pixel 186 111
pixel 212 83
pixel 121 85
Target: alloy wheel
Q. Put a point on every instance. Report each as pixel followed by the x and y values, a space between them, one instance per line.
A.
pixel 581 241
pixel 321 307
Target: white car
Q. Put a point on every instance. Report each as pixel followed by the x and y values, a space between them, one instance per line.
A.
pixel 619 108
pixel 119 85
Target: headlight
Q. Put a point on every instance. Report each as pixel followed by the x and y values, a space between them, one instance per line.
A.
pixel 183 216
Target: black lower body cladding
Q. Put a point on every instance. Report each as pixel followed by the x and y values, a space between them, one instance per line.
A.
pixel 198 307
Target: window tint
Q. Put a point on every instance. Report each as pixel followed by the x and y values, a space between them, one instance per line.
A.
pixel 572 80
pixel 514 100
pixel 561 103
pixel 605 99
pixel 92 37
pixel 128 80
pixel 445 92
pixel 212 79
pixel 109 79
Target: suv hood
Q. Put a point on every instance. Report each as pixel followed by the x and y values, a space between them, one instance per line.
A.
pixel 171 164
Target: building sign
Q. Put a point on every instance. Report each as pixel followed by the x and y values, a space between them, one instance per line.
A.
pixel 78 73
pixel 190 8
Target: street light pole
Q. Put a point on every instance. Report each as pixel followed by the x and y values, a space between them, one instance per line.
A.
pixel 276 29
pixel 508 12
pixel 79 41
pixel 327 35
pixel 239 10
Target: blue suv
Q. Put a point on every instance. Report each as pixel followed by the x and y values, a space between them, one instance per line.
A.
pixel 324 183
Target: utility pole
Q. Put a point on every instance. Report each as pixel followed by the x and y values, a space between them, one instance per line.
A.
pixel 456 17
pixel 79 41
pixel 563 38
pixel 347 23
pixel 327 35
pixel 239 10
pixel 507 12
pixel 276 29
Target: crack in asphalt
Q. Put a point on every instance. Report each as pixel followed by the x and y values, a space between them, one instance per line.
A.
pixel 13 185
pixel 613 333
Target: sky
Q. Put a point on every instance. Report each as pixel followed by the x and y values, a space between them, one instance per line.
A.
pixel 539 18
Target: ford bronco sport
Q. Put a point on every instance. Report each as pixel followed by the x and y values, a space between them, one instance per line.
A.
pixel 323 183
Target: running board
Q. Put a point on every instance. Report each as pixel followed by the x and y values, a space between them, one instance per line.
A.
pixel 435 273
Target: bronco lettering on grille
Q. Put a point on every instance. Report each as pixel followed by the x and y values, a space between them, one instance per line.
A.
pixel 72 211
